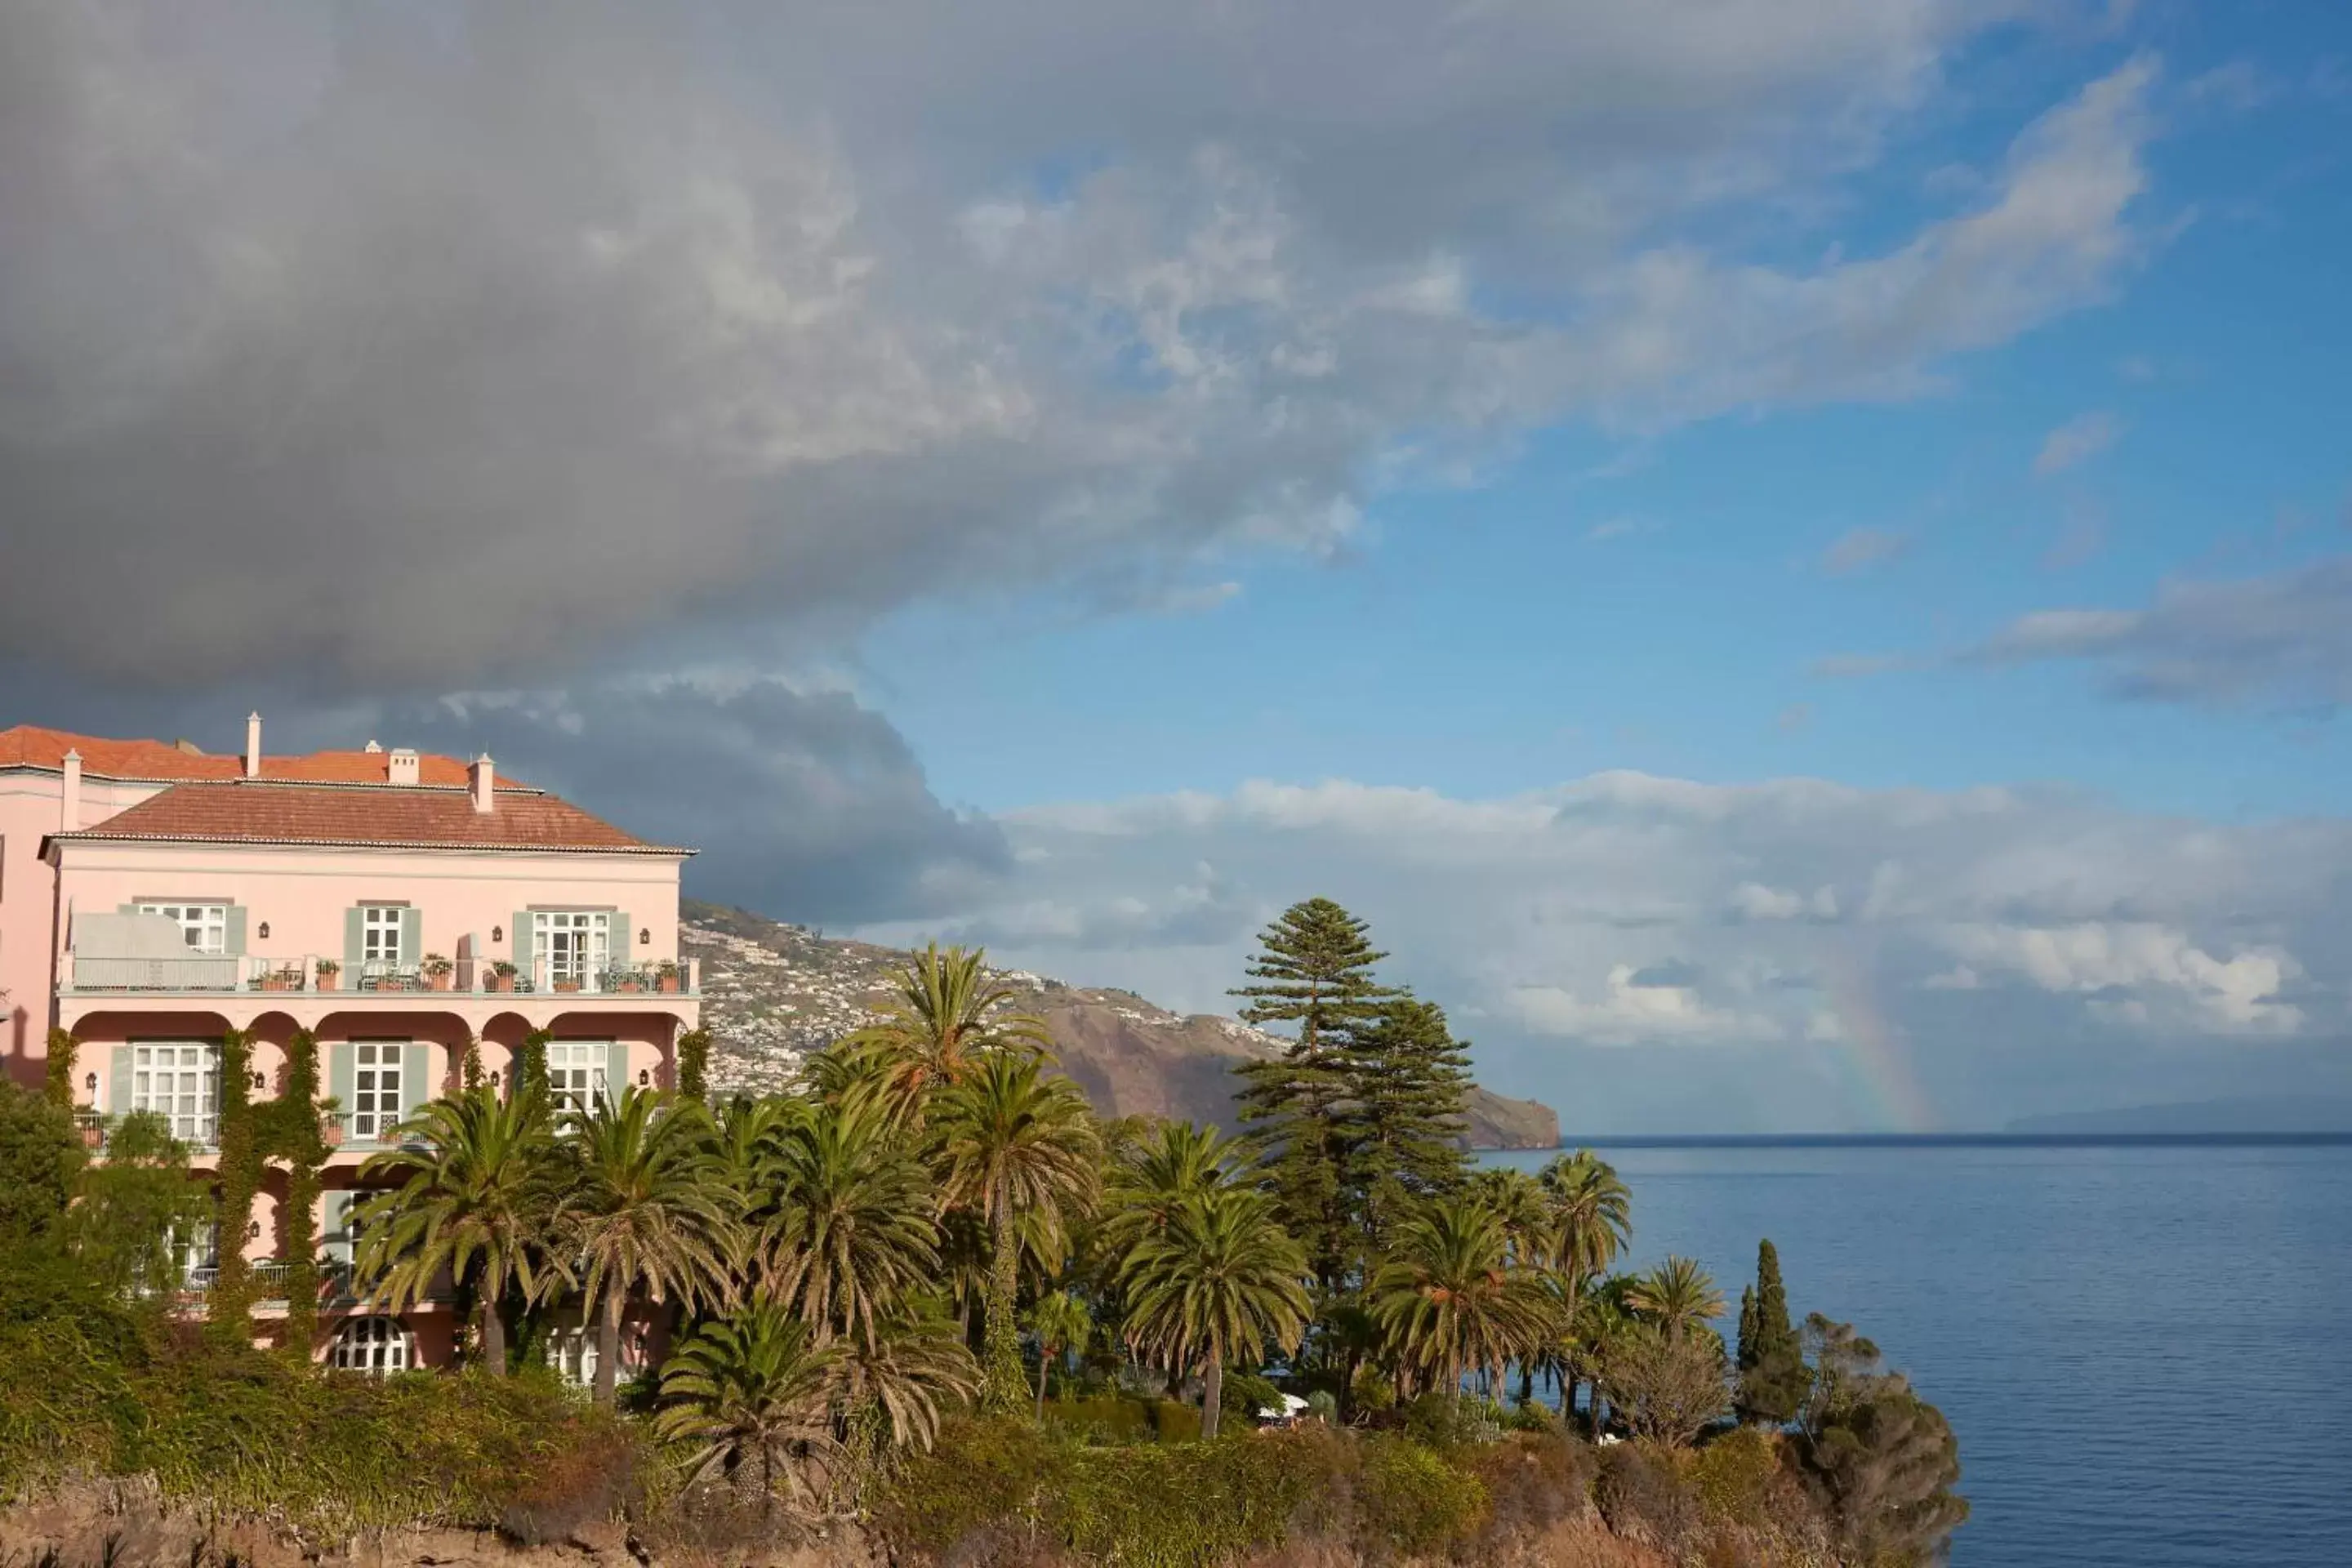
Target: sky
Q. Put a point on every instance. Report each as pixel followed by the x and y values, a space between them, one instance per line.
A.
pixel 1794 557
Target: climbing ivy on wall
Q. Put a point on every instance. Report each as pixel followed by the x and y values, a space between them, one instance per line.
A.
pixel 471 1068
pixel 693 1063
pixel 530 1063
pixel 63 1047
pixel 288 1128
pixel 240 1177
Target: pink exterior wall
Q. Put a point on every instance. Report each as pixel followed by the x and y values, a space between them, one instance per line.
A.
pixel 301 894
pixel 31 803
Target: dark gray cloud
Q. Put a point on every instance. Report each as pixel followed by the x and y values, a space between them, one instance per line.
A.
pixel 2283 640
pixel 805 804
pixel 441 346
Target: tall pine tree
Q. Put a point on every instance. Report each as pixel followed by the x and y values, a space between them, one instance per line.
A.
pixel 1401 1123
pixel 1313 969
pixel 1773 1378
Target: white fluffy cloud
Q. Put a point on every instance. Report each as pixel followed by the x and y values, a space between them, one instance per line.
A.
pixel 2016 946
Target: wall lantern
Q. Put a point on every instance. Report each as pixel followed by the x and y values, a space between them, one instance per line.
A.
pixel 644 1078
pixel 645 936
pixel 265 931
pixel 494 1078
pixel 498 934
pixel 90 1082
pixel 253 1231
pixel 257 1079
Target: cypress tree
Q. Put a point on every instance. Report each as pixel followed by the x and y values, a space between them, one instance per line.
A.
pixel 1773 1377
pixel 1313 969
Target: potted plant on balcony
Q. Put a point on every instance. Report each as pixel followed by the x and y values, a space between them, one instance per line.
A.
pixel 667 976
pixel 628 980
pixel 502 977
pixel 285 977
pixel 437 971
pixel 326 969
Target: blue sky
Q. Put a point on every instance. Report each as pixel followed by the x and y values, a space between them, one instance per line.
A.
pixel 1793 556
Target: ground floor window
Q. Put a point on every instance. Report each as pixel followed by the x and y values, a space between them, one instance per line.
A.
pixel 576 1073
pixel 573 1353
pixel 373 1345
pixel 181 1083
pixel 375 1087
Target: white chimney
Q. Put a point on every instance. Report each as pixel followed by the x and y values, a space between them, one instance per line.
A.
pixel 483 779
pixel 404 765
pixel 252 745
pixel 69 798
pixel 373 749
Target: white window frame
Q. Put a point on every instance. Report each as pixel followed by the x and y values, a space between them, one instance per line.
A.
pixel 380 928
pixel 373 1346
pixel 575 1354
pixel 575 944
pixel 179 1080
pixel 375 1103
pixel 586 1058
pixel 204 927
pixel 199 1252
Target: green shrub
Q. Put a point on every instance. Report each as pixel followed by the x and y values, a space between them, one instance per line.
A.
pixel 1532 1482
pixel 1733 1476
pixel 1444 1423
pixel 1410 1502
pixel 91 1386
pixel 1245 1394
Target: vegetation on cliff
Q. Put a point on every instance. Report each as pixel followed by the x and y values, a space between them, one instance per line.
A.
pixel 931 1291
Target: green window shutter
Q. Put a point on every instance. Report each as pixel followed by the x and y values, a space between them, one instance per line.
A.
pixel 234 936
pixel 413 1090
pixel 412 937
pixel 351 918
pixel 616 1069
pixel 118 1084
pixel 524 931
pixel 339 1075
pixel 621 951
pixel 335 1233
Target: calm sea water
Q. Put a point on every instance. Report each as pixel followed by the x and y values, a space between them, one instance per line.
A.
pixel 2144 1352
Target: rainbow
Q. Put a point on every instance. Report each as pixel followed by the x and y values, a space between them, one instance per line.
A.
pixel 1869 1057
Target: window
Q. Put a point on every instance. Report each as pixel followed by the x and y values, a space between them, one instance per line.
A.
pixel 373 1345
pixel 196 1258
pixel 380 936
pixel 375 1088
pixel 204 927
pixel 181 1083
pixel 574 941
pixel 576 1073
pixel 574 1355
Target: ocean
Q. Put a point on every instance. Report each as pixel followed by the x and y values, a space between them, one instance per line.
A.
pixel 2145 1350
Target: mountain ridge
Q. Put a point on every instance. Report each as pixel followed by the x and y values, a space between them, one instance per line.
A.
pixel 774 993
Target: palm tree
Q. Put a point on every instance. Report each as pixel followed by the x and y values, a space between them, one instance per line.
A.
pixel 1675 1295
pixel 1450 1300
pixel 948 1016
pixel 1014 1145
pixel 1591 1212
pixel 471 1198
pixel 852 1235
pixel 1152 1178
pixel 754 1394
pixel 1060 1320
pixel 648 1209
pixel 904 1370
pixel 1219 1280
pixel 1532 1230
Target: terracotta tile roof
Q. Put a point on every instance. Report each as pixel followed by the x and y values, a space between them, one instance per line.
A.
pixel 29 745
pixel 264 811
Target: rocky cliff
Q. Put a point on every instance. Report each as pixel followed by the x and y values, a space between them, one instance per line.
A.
pixel 774 993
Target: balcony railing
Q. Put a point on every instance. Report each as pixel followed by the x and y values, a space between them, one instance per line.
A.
pixel 219 973
pixel 200 1134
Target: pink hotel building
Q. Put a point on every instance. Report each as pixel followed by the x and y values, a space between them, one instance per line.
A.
pixel 398 906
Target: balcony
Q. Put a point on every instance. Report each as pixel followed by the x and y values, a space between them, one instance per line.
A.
pixel 216 974
pixel 200 1134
